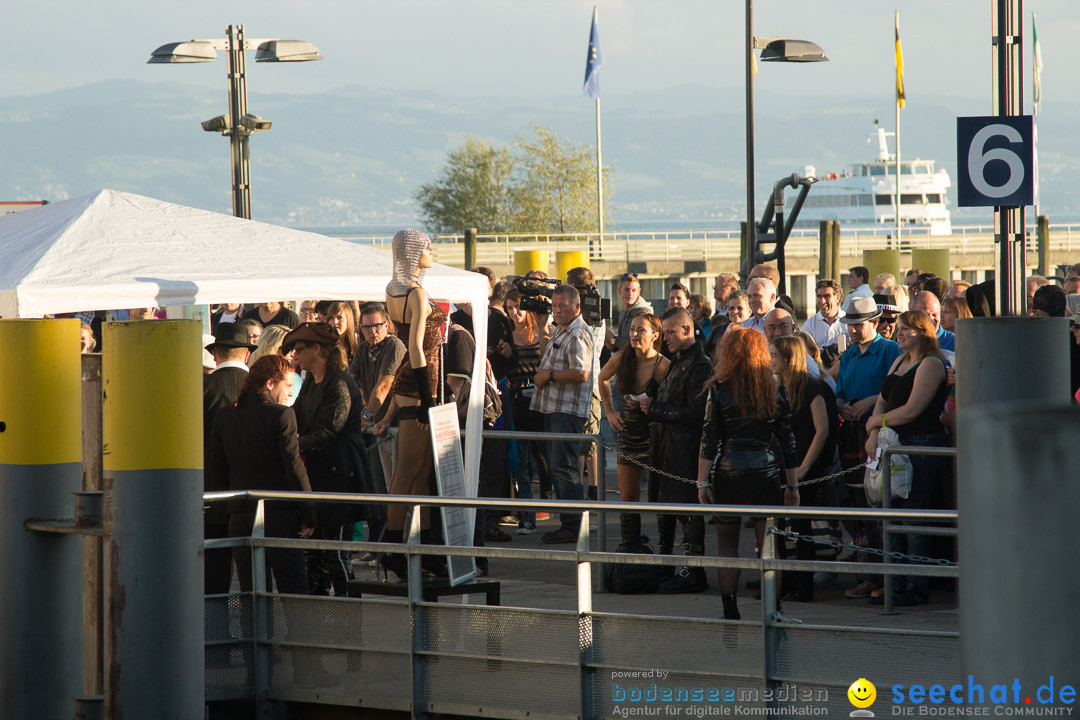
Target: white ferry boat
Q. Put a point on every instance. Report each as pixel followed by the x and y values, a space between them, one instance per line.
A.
pixel 866 194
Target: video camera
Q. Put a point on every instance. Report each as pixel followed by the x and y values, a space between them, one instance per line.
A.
pixel 536 297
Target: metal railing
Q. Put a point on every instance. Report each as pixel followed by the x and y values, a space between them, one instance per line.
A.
pixel 454 656
pixel 691 245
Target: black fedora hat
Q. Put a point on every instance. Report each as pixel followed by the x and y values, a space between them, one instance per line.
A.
pixel 230 335
pixel 317 333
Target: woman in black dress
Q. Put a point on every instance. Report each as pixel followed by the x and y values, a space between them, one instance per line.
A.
pixel 736 464
pixel 638 369
pixel 815 429
pixel 914 392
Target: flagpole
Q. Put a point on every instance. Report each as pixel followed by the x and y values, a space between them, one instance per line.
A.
pixel 1036 98
pixel 897 19
pixel 599 181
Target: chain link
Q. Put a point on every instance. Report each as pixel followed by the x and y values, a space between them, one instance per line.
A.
pixel 837 544
pixel 658 471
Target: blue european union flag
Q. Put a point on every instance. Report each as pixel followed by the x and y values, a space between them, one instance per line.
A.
pixel 594 60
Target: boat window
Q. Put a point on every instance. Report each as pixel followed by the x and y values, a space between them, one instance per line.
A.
pixel 905 169
pixel 865 200
pixel 877 170
pixel 883 199
pixel 922 169
pixel 906 199
pixel 933 197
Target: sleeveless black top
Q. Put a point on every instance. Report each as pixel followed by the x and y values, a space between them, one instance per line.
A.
pixel 896 389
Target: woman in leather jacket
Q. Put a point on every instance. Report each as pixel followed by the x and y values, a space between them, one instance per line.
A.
pixel 737 466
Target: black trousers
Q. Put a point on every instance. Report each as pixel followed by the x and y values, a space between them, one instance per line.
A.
pixel 286 565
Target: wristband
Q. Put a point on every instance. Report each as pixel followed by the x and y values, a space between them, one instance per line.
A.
pixel 884 422
pixel 551 376
pixel 703 484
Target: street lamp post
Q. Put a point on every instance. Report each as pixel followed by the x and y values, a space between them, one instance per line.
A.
pixel 238 124
pixel 773 50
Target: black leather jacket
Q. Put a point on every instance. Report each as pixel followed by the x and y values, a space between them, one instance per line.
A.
pixel 678 411
pixel 729 438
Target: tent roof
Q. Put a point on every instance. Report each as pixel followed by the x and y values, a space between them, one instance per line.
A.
pixel 113 249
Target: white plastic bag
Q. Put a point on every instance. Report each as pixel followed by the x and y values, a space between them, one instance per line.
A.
pixel 900 478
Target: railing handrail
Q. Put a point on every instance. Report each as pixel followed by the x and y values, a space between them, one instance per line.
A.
pixel 588 505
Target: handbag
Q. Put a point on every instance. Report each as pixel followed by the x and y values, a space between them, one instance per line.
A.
pixel 900 470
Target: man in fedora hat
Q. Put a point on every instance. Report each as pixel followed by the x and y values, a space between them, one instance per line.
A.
pixel 220 389
pixel 890 311
pixel 866 362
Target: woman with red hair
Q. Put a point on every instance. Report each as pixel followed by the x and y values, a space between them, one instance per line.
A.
pixel 736 464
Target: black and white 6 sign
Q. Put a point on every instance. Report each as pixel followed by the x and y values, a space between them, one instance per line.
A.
pixel 994 161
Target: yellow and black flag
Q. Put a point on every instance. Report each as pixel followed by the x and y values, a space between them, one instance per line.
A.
pixel 899 65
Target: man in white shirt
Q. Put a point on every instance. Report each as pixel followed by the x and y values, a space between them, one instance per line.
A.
pixel 824 325
pixel 859 282
pixel 761 296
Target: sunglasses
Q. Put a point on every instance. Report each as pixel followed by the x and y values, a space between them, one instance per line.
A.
pixel 373 326
pixel 886 320
pixel 629 276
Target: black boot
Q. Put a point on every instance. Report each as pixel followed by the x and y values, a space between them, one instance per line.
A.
pixel 687 579
pixel 394 562
pixel 592 492
pixel 665 542
pixel 731 607
pixel 630 528
pixel 434 564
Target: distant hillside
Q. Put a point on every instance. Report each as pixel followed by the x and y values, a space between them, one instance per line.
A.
pixel 354 156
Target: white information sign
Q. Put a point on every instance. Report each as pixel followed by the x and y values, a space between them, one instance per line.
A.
pixel 450 478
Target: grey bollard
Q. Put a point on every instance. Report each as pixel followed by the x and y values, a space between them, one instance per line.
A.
pixel 1018 519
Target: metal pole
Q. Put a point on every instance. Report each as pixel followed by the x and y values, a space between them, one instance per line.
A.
pixel 91 481
pixel 40 454
pixel 241 187
pixel 153 484
pixel 1019 460
pixel 599 182
pixel 1008 101
pixel 750 240
pixel 585 621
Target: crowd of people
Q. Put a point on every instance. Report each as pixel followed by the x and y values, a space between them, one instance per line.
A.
pixel 779 414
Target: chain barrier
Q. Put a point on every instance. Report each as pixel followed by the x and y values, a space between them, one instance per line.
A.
pixel 834 543
pixel 658 471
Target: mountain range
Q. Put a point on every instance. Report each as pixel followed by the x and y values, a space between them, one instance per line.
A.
pixel 354 156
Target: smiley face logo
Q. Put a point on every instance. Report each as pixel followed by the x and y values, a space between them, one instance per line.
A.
pixel 862 693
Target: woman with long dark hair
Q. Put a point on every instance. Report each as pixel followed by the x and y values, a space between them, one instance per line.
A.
pixel 253 446
pixel 341 317
pixel 638 369
pixel 329 412
pixel 736 464
pixel 914 392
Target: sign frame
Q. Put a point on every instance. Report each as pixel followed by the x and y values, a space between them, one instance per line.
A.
pixel 450 481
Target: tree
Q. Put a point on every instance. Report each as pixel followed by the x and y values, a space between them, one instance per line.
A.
pixel 473 190
pixel 555 184
pixel 546 185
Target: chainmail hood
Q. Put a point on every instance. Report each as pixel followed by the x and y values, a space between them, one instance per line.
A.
pixel 407 247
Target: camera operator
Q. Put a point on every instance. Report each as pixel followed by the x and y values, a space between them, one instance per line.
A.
pixel 563 393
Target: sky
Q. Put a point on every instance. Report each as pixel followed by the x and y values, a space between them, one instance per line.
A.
pixel 534 48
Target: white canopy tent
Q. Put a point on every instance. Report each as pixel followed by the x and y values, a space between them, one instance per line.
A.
pixel 112 249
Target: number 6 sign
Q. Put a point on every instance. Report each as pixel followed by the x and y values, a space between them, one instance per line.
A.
pixel 994 161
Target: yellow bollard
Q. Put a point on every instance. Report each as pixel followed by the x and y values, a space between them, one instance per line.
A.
pixel 526 260
pixel 935 261
pixel 40 468
pixel 567 260
pixel 882 261
pixel 152 428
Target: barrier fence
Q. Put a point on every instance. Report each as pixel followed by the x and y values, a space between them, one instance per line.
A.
pixel 512 662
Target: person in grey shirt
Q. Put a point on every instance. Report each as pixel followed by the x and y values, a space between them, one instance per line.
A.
pixel 633 305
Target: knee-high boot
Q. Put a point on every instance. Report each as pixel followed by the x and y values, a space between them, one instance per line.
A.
pixel 434 564
pixel 665 541
pixel 630 528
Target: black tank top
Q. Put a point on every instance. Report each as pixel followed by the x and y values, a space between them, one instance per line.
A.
pixel 896 389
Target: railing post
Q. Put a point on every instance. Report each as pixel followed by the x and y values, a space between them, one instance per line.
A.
pixel 769 586
pixel 601 495
pixel 585 622
pixel 260 608
pixel 886 503
pixel 470 248
pixel 418 625
pixel 1042 232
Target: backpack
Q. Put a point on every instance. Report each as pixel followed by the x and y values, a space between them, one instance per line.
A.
pixel 634 579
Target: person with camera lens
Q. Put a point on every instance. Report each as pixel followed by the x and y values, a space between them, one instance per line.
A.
pixel 524 355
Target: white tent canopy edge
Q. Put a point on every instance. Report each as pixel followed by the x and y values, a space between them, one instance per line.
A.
pixel 111 249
